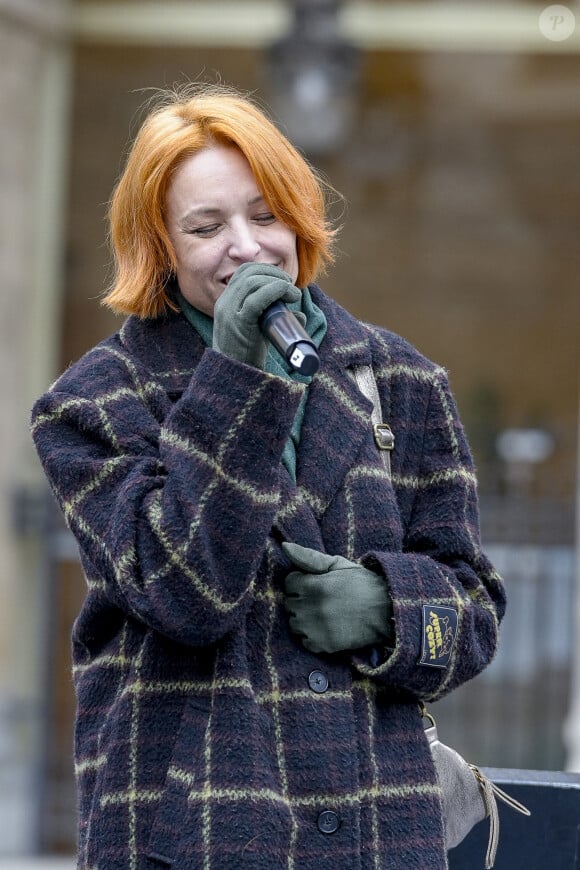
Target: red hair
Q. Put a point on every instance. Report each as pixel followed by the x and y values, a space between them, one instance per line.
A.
pixel 178 128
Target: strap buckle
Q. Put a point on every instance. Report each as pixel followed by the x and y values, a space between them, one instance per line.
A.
pixel 384 438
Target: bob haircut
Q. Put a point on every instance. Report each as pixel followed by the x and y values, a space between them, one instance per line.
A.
pixel 181 125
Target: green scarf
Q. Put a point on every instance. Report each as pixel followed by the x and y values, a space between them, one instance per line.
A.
pixel 275 363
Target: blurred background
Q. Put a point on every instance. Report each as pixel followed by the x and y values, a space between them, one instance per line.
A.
pixel 453 131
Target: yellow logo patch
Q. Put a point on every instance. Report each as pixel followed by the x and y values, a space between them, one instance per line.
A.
pixel 439 631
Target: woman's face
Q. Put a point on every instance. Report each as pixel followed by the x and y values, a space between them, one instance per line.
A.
pixel 217 219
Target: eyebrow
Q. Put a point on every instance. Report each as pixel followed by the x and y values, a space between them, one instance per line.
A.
pixel 210 211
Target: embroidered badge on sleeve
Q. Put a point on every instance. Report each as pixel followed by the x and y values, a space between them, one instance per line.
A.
pixel 439 632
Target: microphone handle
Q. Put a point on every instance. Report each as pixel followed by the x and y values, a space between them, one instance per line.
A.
pixel 289 337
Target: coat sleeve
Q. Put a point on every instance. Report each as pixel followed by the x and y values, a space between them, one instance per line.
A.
pixel 448 600
pixel 172 512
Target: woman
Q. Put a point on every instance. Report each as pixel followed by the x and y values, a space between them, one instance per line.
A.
pixel 267 605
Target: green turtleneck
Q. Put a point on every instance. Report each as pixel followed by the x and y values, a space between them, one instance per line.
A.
pixel 275 363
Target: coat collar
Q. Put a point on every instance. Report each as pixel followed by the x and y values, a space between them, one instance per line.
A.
pixel 167 346
pixel 170 349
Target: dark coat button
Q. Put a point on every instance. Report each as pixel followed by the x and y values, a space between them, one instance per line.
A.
pixel 318 682
pixel 328 822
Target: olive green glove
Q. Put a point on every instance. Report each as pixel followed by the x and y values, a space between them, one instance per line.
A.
pixel 335 604
pixel 252 287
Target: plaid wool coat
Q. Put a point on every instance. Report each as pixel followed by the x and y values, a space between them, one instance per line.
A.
pixel 206 735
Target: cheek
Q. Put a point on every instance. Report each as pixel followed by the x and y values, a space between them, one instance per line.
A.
pixel 197 260
pixel 288 244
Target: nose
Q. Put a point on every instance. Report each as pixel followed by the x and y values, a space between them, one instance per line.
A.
pixel 244 246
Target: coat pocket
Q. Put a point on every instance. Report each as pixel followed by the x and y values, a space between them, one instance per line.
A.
pixel 179 814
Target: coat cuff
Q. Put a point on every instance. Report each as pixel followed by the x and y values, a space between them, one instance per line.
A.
pixel 427 616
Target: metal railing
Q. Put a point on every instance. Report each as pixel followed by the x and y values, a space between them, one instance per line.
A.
pixel 512 714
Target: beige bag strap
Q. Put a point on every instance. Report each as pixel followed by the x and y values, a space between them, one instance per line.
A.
pixel 384 438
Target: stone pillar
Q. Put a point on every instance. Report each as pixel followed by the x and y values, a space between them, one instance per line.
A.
pixel 33 135
pixel 572 724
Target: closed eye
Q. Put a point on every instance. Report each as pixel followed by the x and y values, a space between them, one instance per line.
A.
pixel 266 218
pixel 205 232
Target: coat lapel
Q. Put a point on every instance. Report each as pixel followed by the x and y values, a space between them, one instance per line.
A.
pixel 336 421
pixel 337 416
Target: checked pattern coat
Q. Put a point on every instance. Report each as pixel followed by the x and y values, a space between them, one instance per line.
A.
pixel 206 735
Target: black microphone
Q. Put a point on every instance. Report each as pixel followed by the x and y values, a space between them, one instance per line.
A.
pixel 289 337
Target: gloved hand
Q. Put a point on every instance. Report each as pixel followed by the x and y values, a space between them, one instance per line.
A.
pixel 252 287
pixel 336 604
